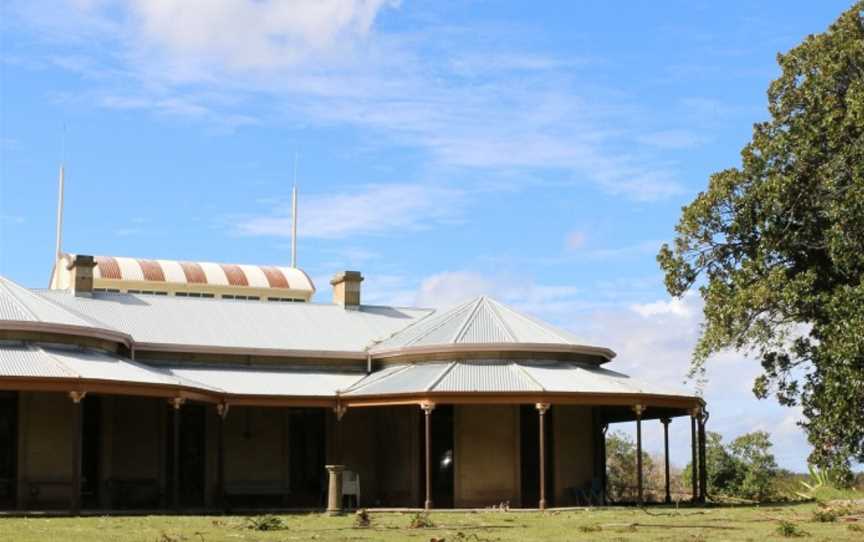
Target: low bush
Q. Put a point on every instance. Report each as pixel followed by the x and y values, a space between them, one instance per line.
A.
pixel 421 520
pixel 267 522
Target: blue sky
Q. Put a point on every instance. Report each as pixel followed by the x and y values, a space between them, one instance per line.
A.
pixel 536 152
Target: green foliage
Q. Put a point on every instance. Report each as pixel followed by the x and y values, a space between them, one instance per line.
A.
pixel 745 468
pixel 591 528
pixel 421 520
pixel 777 245
pixel 266 522
pixel 788 529
pixel 362 519
pixel 621 467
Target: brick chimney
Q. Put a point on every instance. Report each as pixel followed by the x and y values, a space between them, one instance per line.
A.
pixel 346 289
pixel 81 274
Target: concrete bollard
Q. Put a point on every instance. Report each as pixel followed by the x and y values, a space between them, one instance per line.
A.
pixel 334 491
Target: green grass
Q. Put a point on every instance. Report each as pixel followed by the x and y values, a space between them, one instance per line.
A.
pixel 753 523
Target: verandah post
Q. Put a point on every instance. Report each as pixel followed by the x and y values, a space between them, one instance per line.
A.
pixel 427 410
pixel 77 428
pixel 665 422
pixel 176 403
pixel 541 409
pixel 639 409
pixel 694 460
pixel 703 464
pixel 222 412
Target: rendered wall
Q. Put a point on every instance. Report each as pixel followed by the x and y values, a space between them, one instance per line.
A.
pixel 487 450
pixel 256 446
pixel 574 450
pixel 44 449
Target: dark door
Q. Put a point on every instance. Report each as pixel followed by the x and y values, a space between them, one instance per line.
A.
pixel 306 449
pixel 442 457
pixel 192 454
pixel 530 450
pixel 8 448
pixel 91 445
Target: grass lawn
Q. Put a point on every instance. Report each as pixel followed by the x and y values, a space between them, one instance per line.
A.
pixel 661 523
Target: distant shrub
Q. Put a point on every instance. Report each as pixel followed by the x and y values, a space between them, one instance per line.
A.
pixel 825 515
pixel 594 528
pixel 788 529
pixel 421 520
pixel 362 519
pixel 267 522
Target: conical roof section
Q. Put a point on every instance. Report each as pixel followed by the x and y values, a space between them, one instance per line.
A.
pixel 481 321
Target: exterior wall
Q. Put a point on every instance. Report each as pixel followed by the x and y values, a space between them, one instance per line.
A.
pixel 487 450
pixel 44 450
pixel 397 455
pixel 573 439
pixel 256 446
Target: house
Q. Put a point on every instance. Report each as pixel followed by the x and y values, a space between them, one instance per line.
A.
pixel 156 385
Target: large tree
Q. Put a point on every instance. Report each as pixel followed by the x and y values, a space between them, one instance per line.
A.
pixel 776 246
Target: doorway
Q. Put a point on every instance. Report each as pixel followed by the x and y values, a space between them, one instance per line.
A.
pixel 307 454
pixel 529 434
pixel 91 446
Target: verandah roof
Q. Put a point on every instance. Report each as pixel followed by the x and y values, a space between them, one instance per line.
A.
pixel 502 376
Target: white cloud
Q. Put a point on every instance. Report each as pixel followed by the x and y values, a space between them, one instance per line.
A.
pixel 377 209
pixel 194 37
pixel 323 63
pixel 675 306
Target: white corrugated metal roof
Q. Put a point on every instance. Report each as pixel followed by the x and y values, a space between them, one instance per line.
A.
pixel 22 360
pixel 480 321
pixel 20 304
pixel 300 382
pixel 238 324
pixel 497 376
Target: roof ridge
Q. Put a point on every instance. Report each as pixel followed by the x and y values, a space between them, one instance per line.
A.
pixel 446 317
pixel 501 322
pixel 58 361
pixel 360 384
pixel 536 322
pixel 440 377
pixel 18 303
pixel 468 319
pixel 528 375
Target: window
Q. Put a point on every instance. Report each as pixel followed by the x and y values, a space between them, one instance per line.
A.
pixel 227 296
pixel 207 295
pixel 254 297
pixel 133 291
pixel 161 293
pixel 181 294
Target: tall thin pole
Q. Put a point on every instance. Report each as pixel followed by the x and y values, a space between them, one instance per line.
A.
pixel 694 461
pixel 59 246
pixel 542 408
pixel 703 465
pixel 294 217
pixel 427 410
pixel 77 427
pixel 638 409
pixel 665 422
